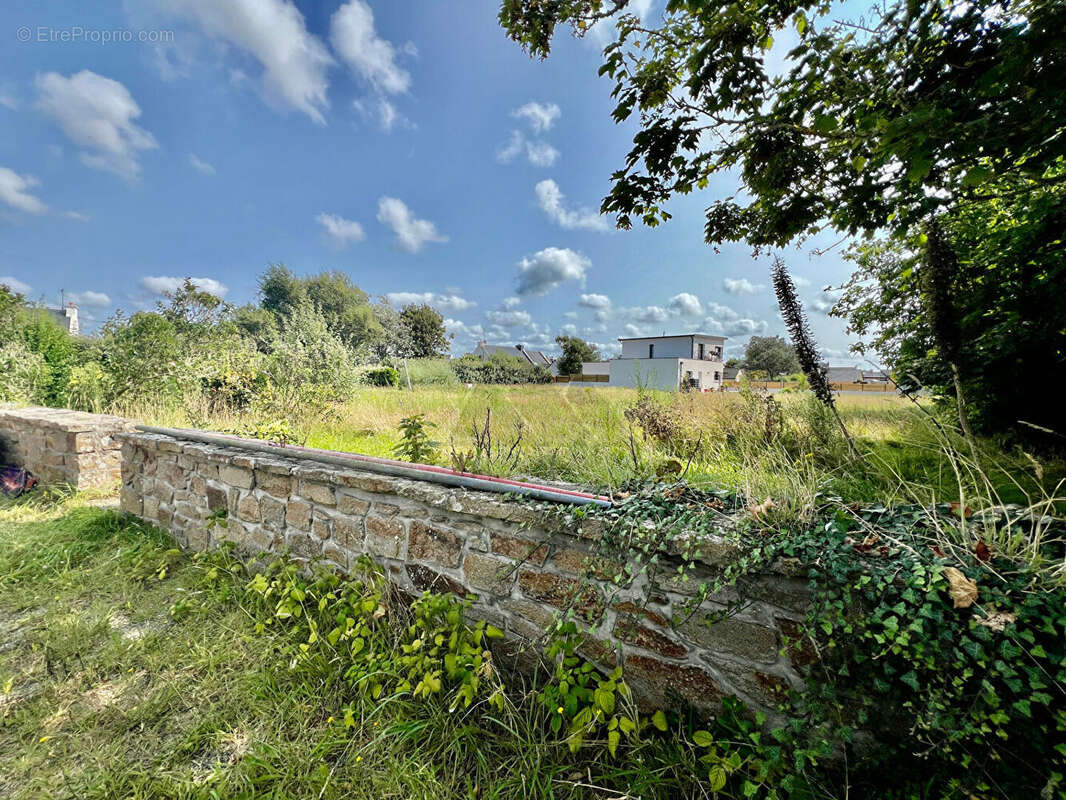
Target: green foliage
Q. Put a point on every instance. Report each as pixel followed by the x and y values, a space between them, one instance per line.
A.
pixel 24 374
pixel 770 354
pixel 276 431
pixel 575 351
pixel 415 445
pixel 429 372
pixel 382 376
pixel 140 355
pixel 499 368
pixel 88 389
pixel 811 144
pixel 1008 304
pixel 425 331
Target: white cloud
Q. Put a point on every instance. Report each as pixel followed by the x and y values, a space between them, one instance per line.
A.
pixel 7 98
pixel 511 302
pixel 737 327
pixel 551 201
pixel 570 329
pixel 544 270
pixel 540 116
pixel 721 313
pixel 15 285
pixel 158 284
pixel 77 215
pixel 201 166
pixel 741 286
pixel 509 319
pixel 97 114
pixel 351 31
pixel 411 233
pixel 342 232
pixel 598 301
pixel 91 299
pixel 462 331
pixel 442 302
pixel 15 192
pixel 539 153
pixel 274 33
pixel 824 302
pixel 686 305
pixel 646 314
pixel 800 281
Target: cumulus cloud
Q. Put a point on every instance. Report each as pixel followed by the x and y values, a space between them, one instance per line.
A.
pixel 645 314
pixel 90 299
pixel 539 116
pixel 509 319
pixel 511 302
pixel 541 272
pixel 411 233
pixel 460 330
pixel 722 313
pixel 800 281
pixel 77 215
pixel 158 284
pixel 97 114
pixel 737 327
pixel 686 305
pixel 597 301
pixel 538 153
pixel 351 31
pixel 825 301
pixel 741 286
pixel 551 201
pixel 15 285
pixel 342 232
pixel 201 166
pixel 274 33
pixel 15 192
pixel 442 302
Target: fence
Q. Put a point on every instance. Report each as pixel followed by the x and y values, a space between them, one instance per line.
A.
pixel 583 378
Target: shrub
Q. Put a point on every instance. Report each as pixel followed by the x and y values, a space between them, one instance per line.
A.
pixel 499 369
pixel 382 375
pixel 23 374
pixel 87 388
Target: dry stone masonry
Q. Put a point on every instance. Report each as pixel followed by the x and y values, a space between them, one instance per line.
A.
pixel 522 563
pixel 66 447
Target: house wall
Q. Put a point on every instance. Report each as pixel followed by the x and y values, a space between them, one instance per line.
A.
pixel 65 447
pixel 652 373
pixel 665 347
pixel 705 371
pixel 595 367
pixel 522 563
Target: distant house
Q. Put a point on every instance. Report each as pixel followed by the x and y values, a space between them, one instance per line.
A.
pixel 732 373
pixel 66 318
pixel 535 357
pixel 843 374
pixel 692 362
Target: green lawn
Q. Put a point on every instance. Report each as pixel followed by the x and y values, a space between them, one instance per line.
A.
pixel 125 675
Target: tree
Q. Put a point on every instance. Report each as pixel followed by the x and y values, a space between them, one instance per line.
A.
pixel 280 290
pixel 395 339
pixel 876 124
pixel 733 363
pixel 1008 296
pixel 425 329
pixel 770 354
pixel 575 351
pixel 189 307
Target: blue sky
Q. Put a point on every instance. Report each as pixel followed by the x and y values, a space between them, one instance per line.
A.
pixel 408 144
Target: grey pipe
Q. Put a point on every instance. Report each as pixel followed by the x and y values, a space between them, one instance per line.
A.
pixel 396 470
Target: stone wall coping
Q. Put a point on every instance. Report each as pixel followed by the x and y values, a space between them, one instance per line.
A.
pixel 713 551
pixel 63 419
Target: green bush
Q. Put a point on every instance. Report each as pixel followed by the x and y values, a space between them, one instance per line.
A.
pixel 24 374
pixel 499 368
pixel 382 375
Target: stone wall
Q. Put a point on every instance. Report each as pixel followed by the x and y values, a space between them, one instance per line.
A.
pixel 523 563
pixel 66 447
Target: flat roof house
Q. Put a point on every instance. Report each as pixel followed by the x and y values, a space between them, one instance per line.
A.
pixel 691 361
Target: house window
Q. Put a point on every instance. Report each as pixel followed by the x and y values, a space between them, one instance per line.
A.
pixel 651 351
pixel 702 346
pixel 717 377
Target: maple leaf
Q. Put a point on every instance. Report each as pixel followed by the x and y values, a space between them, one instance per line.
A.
pixel 963 590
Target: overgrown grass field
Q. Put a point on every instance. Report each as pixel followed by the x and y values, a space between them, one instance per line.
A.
pixel 783 446
pixel 128 670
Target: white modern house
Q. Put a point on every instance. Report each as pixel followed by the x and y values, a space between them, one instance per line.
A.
pixel 693 362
